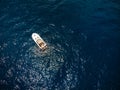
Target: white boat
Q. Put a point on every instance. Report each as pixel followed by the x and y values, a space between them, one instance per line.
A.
pixel 39 41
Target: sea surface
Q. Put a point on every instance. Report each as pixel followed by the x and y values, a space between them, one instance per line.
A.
pixel 83 38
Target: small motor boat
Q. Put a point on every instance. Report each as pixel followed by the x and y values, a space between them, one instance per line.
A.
pixel 39 41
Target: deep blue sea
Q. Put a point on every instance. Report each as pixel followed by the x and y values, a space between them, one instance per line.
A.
pixel 83 38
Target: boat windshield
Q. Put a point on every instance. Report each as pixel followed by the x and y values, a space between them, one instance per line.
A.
pixel 41 44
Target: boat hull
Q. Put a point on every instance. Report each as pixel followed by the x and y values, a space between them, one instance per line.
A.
pixel 39 41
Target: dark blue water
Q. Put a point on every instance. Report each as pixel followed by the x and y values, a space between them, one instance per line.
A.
pixel 83 38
